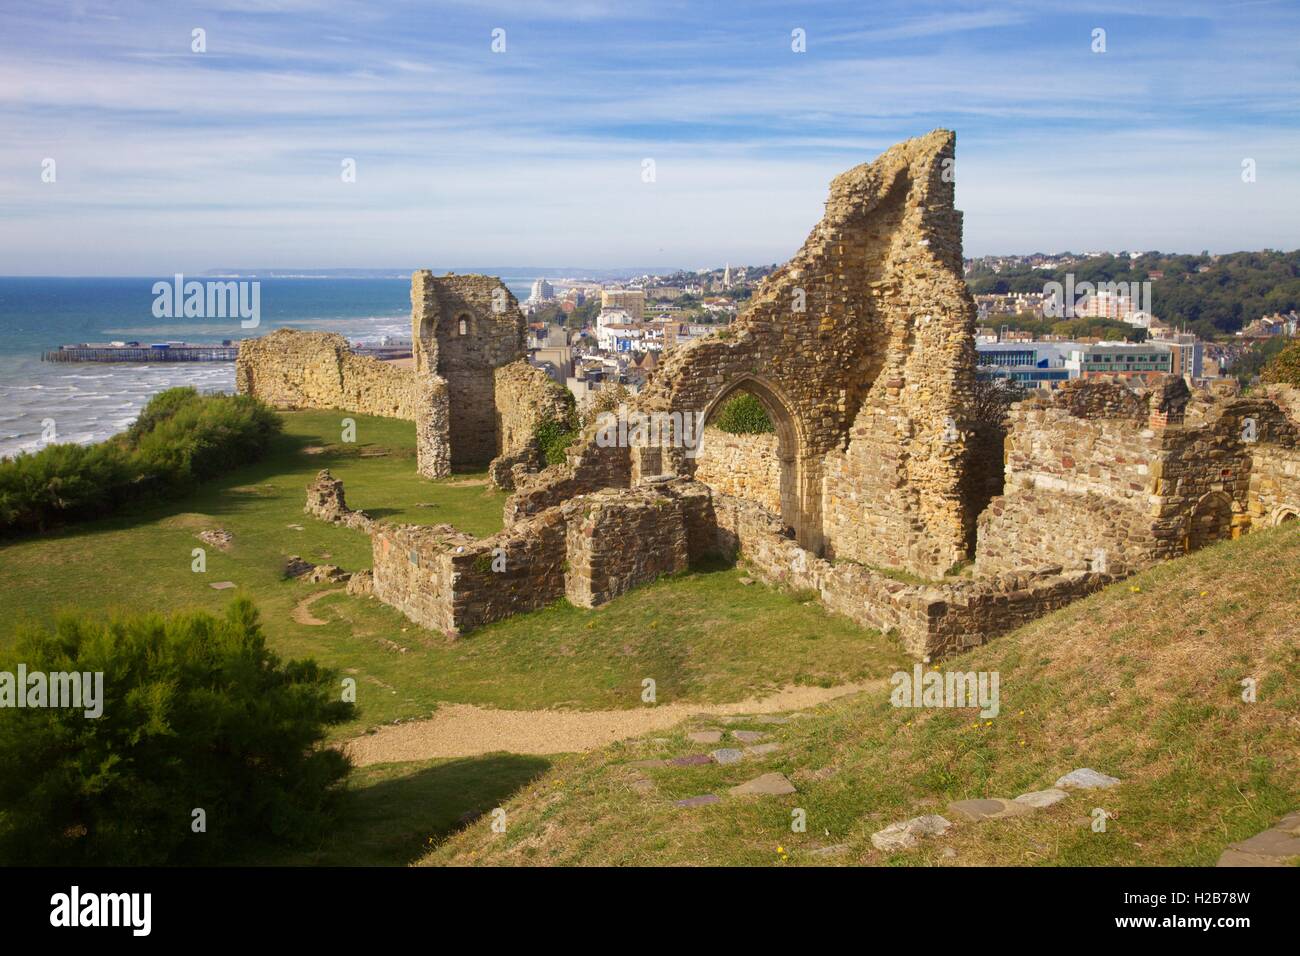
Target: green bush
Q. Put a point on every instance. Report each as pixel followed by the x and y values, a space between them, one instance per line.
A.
pixel 1284 367
pixel 743 415
pixel 197 714
pixel 180 439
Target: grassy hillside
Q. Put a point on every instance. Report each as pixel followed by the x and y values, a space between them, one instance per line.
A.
pixel 1141 681
pixel 702 636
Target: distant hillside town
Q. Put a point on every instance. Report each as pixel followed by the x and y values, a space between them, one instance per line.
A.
pixel 1042 319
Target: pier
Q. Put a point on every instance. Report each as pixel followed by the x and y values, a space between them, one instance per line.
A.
pixel 226 351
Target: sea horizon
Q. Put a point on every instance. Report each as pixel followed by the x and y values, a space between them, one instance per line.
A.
pixel 89 402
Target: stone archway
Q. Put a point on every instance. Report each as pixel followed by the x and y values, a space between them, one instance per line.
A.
pixel 1210 521
pixel 1284 515
pixel 797 472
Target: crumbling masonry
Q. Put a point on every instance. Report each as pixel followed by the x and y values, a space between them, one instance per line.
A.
pixel 475 400
pixel 873 489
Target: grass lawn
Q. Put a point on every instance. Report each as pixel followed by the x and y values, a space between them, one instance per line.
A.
pixel 1141 681
pixel 702 636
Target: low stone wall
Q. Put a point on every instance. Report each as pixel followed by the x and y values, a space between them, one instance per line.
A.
pixel 1031 528
pixel 619 539
pixel 743 466
pixel 930 621
pixel 452 582
pixel 588 468
pixel 290 369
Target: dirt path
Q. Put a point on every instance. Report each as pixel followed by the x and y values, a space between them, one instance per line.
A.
pixel 302 610
pixel 464 730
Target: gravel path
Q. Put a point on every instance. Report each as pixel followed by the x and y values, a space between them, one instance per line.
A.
pixel 464 730
pixel 302 610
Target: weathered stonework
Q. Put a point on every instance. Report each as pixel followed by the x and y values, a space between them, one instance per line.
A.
pixel 618 540
pixel 464 328
pixel 525 398
pixel 325 500
pixel 451 582
pixel 861 351
pixel 743 466
pixel 290 369
pixel 929 621
pixel 1101 475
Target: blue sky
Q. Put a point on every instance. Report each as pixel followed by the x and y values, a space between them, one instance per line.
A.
pixel 168 160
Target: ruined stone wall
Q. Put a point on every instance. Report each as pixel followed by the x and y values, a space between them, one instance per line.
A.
pixel 1274 494
pixel 929 621
pixel 432 427
pixel 868 327
pixel 1141 475
pixel 290 369
pixel 619 539
pixel 451 582
pixel 464 328
pixel 1081 469
pixel 1087 532
pixel 525 397
pixel 743 466
pixel 588 468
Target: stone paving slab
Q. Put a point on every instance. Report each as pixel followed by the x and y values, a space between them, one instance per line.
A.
pixel 768 785
pixel 749 736
pixel 704 736
pixel 728 755
pixel 1042 798
pixel 222 585
pixel 762 750
pixel 691 760
pixel 908 833
pixel 1085 778
pixel 992 809
pixel 701 801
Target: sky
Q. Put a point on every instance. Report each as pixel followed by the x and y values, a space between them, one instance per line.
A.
pixel 166 159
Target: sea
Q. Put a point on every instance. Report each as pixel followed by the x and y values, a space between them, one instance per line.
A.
pixel 88 402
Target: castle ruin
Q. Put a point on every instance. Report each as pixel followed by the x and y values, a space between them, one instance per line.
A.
pixel 874 489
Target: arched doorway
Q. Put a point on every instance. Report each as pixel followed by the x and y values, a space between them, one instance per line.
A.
pixel 1285 515
pixel 796 475
pixel 1210 521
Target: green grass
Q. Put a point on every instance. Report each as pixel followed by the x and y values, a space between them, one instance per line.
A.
pixel 1141 681
pixel 702 636
pixel 393 813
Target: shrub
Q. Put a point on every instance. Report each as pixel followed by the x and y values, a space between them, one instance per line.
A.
pixel 1284 367
pixel 197 714
pixel 743 415
pixel 180 439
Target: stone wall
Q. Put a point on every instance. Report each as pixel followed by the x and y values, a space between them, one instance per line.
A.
pixel 1099 474
pixel 464 328
pixel 587 468
pixel 290 369
pixel 432 427
pixel 743 466
pixel 929 621
pixel 451 582
pixel 525 397
pixel 622 538
pixel 864 339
